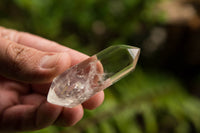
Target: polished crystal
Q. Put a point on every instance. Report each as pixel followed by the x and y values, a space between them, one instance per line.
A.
pixel 80 82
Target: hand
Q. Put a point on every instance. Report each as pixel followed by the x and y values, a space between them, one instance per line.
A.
pixel 28 64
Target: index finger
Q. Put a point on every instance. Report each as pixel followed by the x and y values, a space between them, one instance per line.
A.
pixel 40 43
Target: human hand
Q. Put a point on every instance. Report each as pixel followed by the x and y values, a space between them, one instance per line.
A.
pixel 28 64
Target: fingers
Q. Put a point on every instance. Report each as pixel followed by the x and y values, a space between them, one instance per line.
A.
pixel 70 116
pixel 33 113
pixel 7 98
pixel 18 118
pixel 45 113
pixel 27 64
pixel 41 44
pixel 94 101
pixel 48 114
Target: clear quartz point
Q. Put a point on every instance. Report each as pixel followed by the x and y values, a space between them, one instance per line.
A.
pixel 82 81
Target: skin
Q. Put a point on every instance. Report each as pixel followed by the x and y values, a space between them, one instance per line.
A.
pixel 28 64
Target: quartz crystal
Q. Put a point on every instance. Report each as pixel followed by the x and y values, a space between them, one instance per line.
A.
pixel 82 81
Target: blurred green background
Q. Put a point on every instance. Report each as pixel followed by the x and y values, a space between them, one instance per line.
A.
pixel 162 94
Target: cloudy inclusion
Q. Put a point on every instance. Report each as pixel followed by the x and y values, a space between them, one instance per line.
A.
pixel 76 85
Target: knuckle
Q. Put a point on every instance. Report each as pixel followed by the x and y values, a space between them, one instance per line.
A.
pixel 76 116
pixel 16 54
pixel 9 34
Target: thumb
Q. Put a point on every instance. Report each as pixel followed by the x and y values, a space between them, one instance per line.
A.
pixel 27 64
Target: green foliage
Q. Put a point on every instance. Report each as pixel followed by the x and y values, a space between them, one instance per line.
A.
pixel 145 101
pixel 88 22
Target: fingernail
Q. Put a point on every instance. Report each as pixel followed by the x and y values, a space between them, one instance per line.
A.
pixel 49 61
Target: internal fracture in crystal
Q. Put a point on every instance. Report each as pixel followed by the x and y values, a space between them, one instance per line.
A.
pixel 96 73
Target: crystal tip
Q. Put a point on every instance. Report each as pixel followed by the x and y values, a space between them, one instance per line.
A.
pixel 134 52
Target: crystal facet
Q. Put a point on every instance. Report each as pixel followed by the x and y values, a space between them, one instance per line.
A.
pixel 82 81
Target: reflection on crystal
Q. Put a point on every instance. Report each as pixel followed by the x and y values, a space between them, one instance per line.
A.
pixel 85 79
